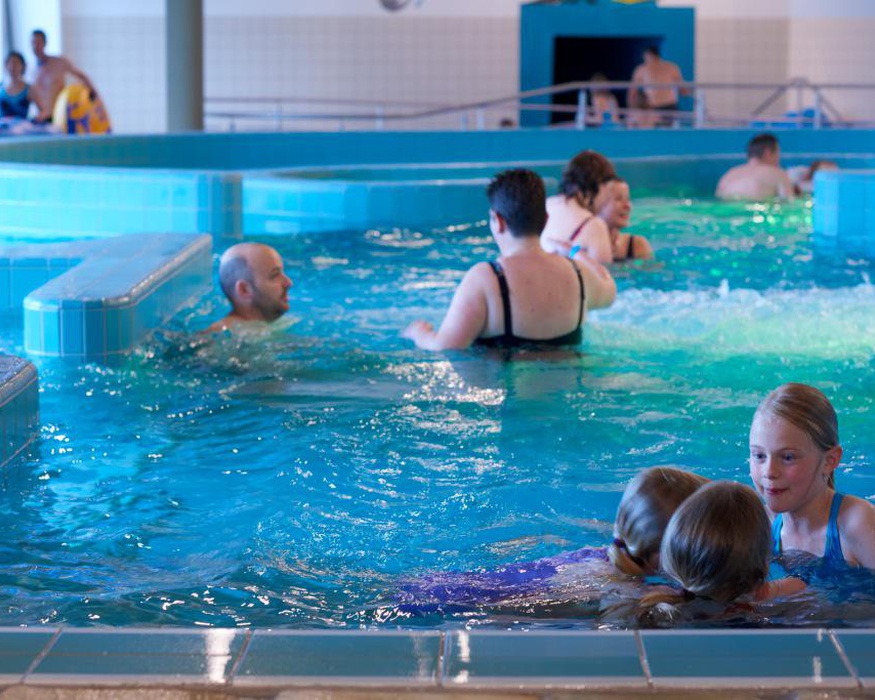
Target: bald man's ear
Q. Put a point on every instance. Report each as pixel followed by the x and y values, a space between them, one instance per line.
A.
pixel 242 290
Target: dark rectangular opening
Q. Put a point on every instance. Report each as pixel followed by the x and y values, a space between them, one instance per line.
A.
pixel 579 57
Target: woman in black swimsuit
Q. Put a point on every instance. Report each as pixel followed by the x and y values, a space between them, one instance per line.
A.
pixel 525 297
pixel 615 209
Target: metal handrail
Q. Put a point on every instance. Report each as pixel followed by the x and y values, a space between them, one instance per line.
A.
pixel 423 110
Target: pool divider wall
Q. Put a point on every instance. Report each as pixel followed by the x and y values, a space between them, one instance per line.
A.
pixel 218 183
pixel 60 200
pixel 19 407
pixel 121 290
pixel 844 211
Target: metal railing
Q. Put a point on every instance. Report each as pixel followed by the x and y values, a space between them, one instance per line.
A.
pixel 812 108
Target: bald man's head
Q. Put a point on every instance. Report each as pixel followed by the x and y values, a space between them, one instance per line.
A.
pixel 252 277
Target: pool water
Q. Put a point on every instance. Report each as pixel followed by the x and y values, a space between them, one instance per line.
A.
pixel 297 478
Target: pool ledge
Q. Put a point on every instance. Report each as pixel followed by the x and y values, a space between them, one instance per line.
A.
pixel 128 662
pixel 19 407
pixel 92 300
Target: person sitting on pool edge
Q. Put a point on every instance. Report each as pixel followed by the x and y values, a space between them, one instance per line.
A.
pixel 527 296
pixel 761 177
pixel 251 276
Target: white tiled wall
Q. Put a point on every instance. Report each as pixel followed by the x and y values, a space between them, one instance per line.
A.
pixel 124 57
pixel 730 50
pixel 837 50
pixel 427 61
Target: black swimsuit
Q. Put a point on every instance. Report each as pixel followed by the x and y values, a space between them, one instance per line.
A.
pixel 629 250
pixel 509 340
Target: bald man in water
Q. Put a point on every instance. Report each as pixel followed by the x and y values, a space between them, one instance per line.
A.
pixel 252 277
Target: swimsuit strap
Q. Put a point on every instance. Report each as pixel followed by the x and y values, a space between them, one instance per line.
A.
pixel 582 293
pixel 580 227
pixel 505 297
pixel 630 246
pixel 777 525
pixel 832 552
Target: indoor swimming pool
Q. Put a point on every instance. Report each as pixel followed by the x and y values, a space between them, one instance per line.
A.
pixel 300 479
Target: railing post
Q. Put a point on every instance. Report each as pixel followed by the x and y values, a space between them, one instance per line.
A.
pixel 700 108
pixel 481 120
pixel 818 109
pixel 380 114
pixel 800 101
pixel 580 115
pixel 463 121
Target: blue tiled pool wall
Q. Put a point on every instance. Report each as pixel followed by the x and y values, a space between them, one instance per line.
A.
pixel 810 660
pixel 232 185
pixel 19 407
pixel 88 201
pixel 120 290
pixel 24 268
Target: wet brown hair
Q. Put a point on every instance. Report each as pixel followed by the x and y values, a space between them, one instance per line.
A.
pixel 584 175
pixel 648 504
pixel 717 544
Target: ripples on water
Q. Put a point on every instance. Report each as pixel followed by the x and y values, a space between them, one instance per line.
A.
pixel 294 478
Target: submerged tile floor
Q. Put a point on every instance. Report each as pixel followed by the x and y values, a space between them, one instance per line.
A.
pixel 243 662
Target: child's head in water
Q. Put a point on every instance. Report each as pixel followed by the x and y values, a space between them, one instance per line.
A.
pixel 717 544
pixel 648 504
pixel 794 447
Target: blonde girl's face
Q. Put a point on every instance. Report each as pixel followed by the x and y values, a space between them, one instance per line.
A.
pixel 788 469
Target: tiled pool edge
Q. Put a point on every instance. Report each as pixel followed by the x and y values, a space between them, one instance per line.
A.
pixel 262 662
pixel 19 407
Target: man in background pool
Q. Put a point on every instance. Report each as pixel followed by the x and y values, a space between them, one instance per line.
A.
pixel 50 76
pixel 761 177
pixel 252 277
pixel 658 79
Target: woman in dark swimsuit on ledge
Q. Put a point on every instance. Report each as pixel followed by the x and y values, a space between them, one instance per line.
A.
pixel 525 297
pixel 572 221
pixel 615 207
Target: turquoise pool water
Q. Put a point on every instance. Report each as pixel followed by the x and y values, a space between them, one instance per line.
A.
pixel 295 480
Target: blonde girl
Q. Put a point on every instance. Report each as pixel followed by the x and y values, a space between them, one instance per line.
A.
pixel 794 452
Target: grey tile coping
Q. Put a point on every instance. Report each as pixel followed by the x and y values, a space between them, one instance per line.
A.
pixel 373 658
pixel 743 658
pixel 19 649
pixel 859 649
pixel 247 660
pixel 138 657
pixel 543 659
